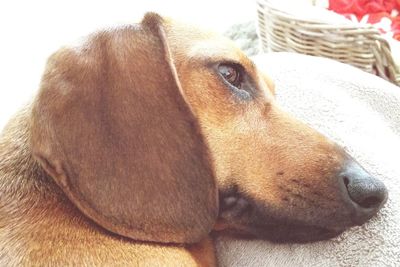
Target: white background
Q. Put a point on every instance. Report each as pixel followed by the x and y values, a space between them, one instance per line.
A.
pixel 31 30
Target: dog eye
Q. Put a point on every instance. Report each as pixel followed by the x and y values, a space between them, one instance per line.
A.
pixel 232 74
pixel 237 79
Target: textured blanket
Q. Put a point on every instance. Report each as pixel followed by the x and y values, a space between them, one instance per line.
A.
pixel 359 111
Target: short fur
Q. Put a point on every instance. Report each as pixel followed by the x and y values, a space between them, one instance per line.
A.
pixel 133 138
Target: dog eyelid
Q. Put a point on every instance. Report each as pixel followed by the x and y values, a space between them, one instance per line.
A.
pixel 237 79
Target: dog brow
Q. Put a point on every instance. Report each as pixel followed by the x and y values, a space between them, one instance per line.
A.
pixel 220 51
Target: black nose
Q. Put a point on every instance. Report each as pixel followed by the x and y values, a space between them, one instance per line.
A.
pixel 367 193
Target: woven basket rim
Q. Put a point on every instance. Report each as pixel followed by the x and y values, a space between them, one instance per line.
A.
pixel 292 28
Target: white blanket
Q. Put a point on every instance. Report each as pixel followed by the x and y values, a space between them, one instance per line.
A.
pixel 360 112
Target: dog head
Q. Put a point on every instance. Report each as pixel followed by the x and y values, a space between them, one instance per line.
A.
pixel 162 132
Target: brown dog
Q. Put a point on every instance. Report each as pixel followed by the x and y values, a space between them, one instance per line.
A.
pixel 146 138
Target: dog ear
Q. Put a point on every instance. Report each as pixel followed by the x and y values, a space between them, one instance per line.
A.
pixel 111 126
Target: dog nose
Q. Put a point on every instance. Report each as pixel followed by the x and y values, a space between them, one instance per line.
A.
pixel 367 193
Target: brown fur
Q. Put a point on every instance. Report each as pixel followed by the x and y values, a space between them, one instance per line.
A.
pixel 71 186
pixel 39 226
pixel 129 122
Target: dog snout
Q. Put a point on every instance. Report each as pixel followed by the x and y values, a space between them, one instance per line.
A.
pixel 365 193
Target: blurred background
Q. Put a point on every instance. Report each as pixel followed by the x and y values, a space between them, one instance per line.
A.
pixel 32 30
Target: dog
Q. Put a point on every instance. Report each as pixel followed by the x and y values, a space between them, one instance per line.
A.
pixel 147 140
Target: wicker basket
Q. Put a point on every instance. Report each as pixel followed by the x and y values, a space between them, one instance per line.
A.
pixel 359 45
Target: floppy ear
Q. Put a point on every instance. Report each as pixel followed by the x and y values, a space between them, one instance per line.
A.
pixel 111 126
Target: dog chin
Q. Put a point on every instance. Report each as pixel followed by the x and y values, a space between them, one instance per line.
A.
pixel 298 234
pixel 286 233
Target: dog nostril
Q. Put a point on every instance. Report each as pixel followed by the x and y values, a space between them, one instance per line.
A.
pixel 346 181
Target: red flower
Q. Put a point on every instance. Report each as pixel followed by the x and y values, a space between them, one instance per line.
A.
pixel 375 9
